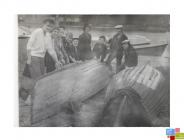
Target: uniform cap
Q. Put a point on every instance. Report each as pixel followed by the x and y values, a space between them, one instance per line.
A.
pixel 118 26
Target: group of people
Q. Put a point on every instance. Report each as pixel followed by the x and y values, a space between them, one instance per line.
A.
pixel 52 47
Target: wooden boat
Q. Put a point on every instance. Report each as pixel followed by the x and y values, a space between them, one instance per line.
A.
pixel 147 47
pixel 53 110
pixel 153 49
pixel 70 86
pixel 52 92
pixel 125 109
pixel 149 83
pixel 143 45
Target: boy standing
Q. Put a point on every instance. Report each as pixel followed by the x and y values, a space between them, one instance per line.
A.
pixel 40 42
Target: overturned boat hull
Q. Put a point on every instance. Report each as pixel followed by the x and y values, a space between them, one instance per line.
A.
pixel 150 84
pixel 73 85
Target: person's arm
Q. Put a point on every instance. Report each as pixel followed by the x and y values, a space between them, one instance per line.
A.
pixel 61 58
pixel 53 54
pixel 112 51
pixel 59 54
pixel 111 56
pixel 57 50
pixel 72 59
pixel 64 53
pixel 104 52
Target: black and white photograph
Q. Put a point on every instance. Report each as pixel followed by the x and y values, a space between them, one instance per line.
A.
pixel 93 70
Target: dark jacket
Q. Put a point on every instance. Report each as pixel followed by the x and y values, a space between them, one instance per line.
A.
pixel 115 45
pixel 85 46
pixel 117 40
pixel 130 56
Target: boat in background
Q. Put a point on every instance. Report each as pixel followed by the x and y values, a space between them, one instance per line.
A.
pixel 152 49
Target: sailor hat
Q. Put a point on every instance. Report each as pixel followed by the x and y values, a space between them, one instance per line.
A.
pixel 118 26
pixel 125 41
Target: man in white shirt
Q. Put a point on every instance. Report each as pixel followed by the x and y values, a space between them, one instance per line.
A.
pixel 40 42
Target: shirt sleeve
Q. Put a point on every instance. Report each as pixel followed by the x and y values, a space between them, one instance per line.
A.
pixel 32 40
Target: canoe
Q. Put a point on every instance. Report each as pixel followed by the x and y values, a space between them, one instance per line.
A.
pixel 72 85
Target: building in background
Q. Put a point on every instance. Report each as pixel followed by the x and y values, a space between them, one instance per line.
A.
pixel 131 22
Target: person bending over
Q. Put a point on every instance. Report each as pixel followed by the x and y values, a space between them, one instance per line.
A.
pixel 100 48
pixel 40 42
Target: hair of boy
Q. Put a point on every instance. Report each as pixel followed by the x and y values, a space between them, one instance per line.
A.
pixel 61 25
pixel 55 28
pixel 86 26
pixel 50 21
pixel 76 39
